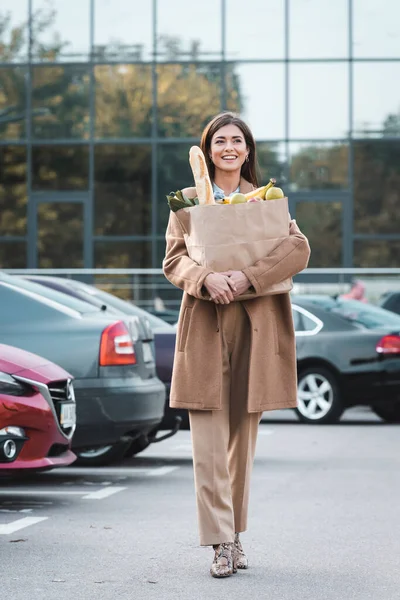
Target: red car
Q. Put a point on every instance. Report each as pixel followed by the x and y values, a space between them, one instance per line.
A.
pixel 37 413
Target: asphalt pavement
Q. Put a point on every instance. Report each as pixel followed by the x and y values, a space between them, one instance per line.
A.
pixel 324 522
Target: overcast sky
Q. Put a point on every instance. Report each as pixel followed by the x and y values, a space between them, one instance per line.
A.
pixel 255 29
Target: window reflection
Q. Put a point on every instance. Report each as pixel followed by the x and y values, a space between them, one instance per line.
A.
pixel 263 38
pixel 60 102
pixel 319 101
pixel 263 108
pixel 376 253
pixel 322 166
pixel 122 190
pixel 377 187
pixel 123 30
pixel 318 29
pixel 13 192
pixel 60 168
pixel 60 235
pixel 321 223
pixel 13 30
pixel 173 173
pixel 376 107
pixel 12 255
pixel 60 30
pixel 376 28
pixel 123 101
pixel 200 40
pixel 122 255
pixel 12 103
pixel 188 97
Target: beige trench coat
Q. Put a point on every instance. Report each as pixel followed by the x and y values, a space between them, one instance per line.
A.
pixel 197 373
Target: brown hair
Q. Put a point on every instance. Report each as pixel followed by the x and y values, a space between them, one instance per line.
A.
pixel 249 168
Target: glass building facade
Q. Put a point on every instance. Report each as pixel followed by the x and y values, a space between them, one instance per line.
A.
pixel 100 101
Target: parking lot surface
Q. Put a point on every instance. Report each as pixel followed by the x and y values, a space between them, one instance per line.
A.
pixel 324 517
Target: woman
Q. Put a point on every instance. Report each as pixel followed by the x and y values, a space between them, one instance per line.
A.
pixel 233 359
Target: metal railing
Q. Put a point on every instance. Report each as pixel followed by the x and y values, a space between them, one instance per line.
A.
pixel 149 288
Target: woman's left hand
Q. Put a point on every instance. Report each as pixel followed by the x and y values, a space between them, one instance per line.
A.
pixel 240 280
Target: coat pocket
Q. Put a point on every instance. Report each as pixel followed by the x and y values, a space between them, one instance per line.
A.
pixel 184 329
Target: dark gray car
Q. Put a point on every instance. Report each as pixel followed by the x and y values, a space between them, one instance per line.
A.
pixel 118 394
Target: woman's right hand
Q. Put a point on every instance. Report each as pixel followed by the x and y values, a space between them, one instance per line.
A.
pixel 220 287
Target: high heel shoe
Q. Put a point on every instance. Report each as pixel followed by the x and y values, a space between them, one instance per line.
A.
pixel 239 555
pixel 224 564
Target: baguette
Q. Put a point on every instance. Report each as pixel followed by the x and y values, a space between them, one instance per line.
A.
pixel 202 180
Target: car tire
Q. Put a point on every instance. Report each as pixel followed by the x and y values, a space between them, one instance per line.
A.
pixel 318 395
pixel 389 413
pixel 100 457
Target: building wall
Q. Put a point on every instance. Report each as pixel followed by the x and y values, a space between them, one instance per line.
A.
pixel 100 101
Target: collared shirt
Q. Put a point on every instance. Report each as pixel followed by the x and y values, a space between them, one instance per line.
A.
pixel 219 194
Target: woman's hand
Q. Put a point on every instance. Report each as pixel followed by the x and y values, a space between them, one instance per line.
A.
pixel 240 280
pixel 220 287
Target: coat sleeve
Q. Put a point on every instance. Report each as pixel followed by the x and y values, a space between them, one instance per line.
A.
pixel 178 267
pixel 288 259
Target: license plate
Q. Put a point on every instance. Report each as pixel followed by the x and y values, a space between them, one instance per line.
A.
pixel 68 415
pixel 147 353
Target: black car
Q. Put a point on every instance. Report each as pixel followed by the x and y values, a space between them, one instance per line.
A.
pixel 391 301
pixel 348 354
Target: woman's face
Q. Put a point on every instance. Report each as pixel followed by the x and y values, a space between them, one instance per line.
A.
pixel 228 148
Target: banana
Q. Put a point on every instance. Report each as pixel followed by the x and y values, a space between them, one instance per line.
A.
pixel 261 191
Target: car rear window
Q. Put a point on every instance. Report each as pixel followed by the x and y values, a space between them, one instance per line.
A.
pixel 364 314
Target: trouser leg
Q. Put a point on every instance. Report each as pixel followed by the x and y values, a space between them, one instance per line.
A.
pixel 242 424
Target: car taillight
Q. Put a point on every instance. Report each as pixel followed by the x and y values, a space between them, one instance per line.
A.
pixel 389 344
pixel 116 346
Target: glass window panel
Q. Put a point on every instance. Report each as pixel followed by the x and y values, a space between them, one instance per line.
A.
pixel 376 31
pixel 321 166
pixel 123 101
pixel 272 162
pixel 122 255
pixel 13 192
pixel 318 29
pixel 376 107
pixel 200 39
pixel 380 254
pixel 173 173
pixel 319 101
pixel 12 103
pixel 123 30
pixel 12 255
pixel 60 102
pixel 60 235
pixel 122 190
pixel 60 168
pixel 189 96
pixel 263 110
pixel 261 40
pixel 321 222
pixel 60 30
pixel 13 30
pixel 377 187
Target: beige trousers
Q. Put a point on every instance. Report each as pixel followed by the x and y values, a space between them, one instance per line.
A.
pixel 224 441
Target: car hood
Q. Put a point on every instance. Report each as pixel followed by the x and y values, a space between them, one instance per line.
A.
pixel 15 361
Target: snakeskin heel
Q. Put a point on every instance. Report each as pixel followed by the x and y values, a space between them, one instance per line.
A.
pixel 224 560
pixel 239 555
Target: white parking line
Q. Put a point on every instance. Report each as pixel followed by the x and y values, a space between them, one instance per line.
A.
pixel 265 432
pixel 160 471
pixel 104 493
pixel 152 472
pixel 20 524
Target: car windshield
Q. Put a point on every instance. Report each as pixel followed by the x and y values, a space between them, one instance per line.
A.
pixel 365 314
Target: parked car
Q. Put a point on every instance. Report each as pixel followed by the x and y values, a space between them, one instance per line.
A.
pixel 164 336
pixel 37 413
pixel 391 301
pixel 348 354
pixel 118 395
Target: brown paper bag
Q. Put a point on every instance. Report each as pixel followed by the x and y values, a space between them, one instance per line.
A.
pixel 224 237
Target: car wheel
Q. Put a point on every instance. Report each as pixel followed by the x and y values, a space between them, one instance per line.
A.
pixel 138 445
pixel 318 396
pixel 99 457
pixel 389 413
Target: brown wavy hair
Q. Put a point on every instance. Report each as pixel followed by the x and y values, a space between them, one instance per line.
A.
pixel 249 168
